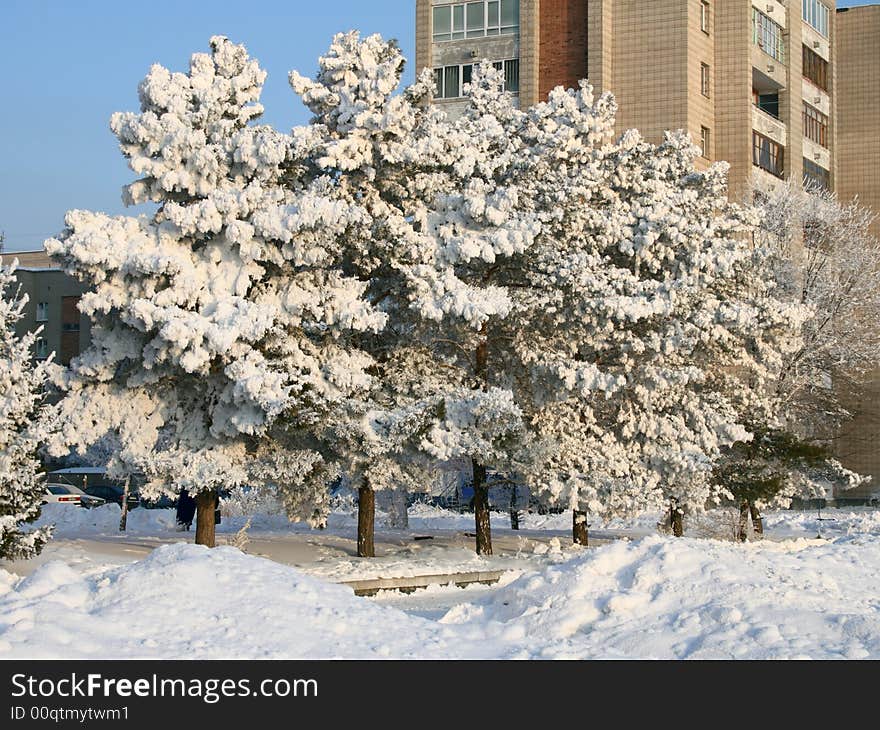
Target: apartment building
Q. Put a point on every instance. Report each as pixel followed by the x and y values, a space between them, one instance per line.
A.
pixel 752 82
pixel 858 141
pixel 858 83
pixel 52 304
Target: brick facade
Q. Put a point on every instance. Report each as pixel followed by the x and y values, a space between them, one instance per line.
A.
pixel 563 44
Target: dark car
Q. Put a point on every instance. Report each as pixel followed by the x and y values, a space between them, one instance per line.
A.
pixel 114 494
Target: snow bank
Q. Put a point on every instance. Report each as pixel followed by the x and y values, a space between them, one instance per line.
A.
pixel 73 521
pixel 654 598
pixel 667 598
pixel 189 602
pixel 854 521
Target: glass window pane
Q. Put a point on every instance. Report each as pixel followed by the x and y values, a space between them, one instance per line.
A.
pixel 466 74
pixel 511 76
pixel 450 82
pixel 509 13
pixel 492 16
pixel 442 21
pixel 475 17
pixel 458 18
pixel 438 83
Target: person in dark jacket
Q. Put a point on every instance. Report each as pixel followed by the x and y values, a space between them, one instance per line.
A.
pixel 186 510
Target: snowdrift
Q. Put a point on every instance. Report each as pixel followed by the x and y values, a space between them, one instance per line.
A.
pixel 653 598
pixel 189 602
pixel 667 598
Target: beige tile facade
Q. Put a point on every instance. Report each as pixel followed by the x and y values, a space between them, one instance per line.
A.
pixel 858 131
pixel 858 175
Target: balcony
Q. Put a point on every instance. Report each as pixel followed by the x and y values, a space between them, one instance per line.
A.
pixel 816 98
pixel 817 153
pixel 816 42
pixel 769 126
pixel 773 9
pixel 767 72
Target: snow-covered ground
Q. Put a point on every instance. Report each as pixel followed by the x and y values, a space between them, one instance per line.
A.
pixel 148 593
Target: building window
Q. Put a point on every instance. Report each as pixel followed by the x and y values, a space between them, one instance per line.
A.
pixel 705 142
pixel 767 154
pixel 704 79
pixel 818 15
pixel 475 20
pixel 768 103
pixel 511 75
pixel 449 81
pixel 815 68
pixel 767 34
pixel 815 125
pixel 42 311
pixel 704 16
pixel 41 347
pixel 816 176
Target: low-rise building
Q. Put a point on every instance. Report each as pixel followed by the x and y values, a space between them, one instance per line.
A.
pixel 53 297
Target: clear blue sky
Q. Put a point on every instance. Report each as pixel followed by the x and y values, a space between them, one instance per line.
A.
pixel 67 65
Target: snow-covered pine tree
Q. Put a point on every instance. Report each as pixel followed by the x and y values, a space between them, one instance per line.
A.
pixel 220 321
pixel 426 219
pixel 642 329
pixel 24 424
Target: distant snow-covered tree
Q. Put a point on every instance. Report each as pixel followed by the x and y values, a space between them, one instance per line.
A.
pixel 829 261
pixel 24 424
pixel 824 259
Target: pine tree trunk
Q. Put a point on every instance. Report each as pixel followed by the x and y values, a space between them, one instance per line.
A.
pixel 677 520
pixel 742 527
pixel 481 510
pixel 123 520
pixel 580 531
pixel 481 489
pixel 757 521
pixel 514 512
pixel 206 504
pixel 366 521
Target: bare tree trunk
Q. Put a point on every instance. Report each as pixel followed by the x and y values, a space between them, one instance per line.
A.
pixel 676 518
pixel 123 520
pixel 206 505
pixel 481 510
pixel 366 521
pixel 742 525
pixel 757 521
pixel 580 531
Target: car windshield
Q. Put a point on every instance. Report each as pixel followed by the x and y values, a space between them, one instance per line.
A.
pixel 58 490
